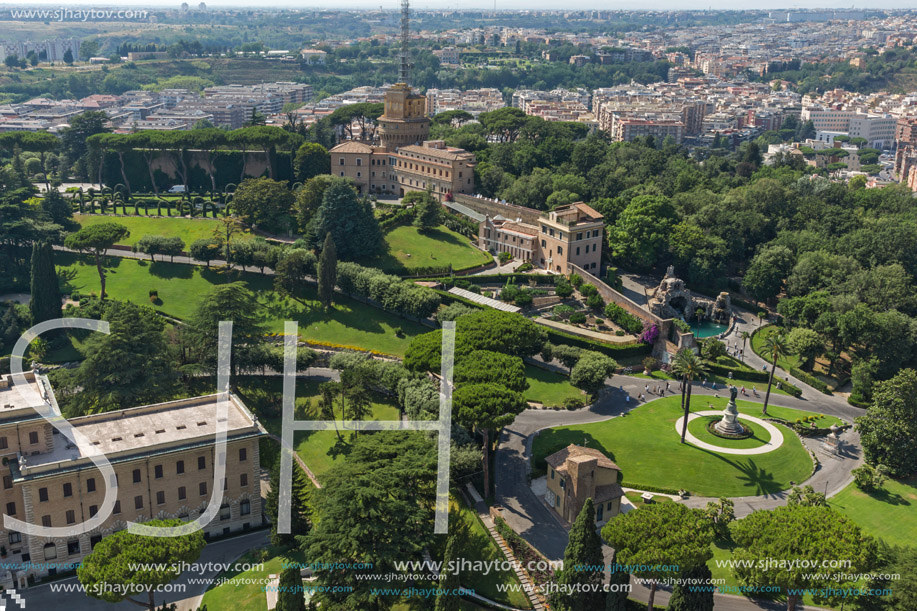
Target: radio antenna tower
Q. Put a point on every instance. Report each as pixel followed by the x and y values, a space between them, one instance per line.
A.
pixel 405 34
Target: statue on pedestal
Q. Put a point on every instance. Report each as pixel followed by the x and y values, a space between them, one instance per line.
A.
pixel 729 425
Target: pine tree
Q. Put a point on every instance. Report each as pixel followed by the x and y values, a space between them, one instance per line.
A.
pixel 688 599
pixel 447 600
pixel 582 561
pixel 45 303
pixel 327 271
pixel 290 591
pixel 616 599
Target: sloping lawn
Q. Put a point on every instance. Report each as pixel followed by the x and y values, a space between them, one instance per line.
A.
pixel 645 444
pixel 182 287
pixel 409 249
pixel 246 593
pixel 889 513
pixel 549 388
pixel 188 230
pixel 757 344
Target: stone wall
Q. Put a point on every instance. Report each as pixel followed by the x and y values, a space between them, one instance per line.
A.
pixel 613 296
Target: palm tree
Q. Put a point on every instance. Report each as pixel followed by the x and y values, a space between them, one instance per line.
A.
pixel 776 345
pixel 688 366
pixel 744 335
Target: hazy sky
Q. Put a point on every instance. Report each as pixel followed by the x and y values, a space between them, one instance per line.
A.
pixel 504 4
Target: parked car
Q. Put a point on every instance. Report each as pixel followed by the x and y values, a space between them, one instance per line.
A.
pixel 177 189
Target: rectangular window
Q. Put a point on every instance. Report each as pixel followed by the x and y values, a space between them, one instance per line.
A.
pixel 552 472
pixel 71 517
pixel 243 480
pixel 91 485
pixel 181 493
pixel 93 510
pixel 543 244
pixel 11 509
pixel 577 249
pixel 579 236
pixel 73 547
pixel 341 161
pixel 560 250
pixel 160 498
pixel 180 467
pixel 42 494
pixel 203 488
pixel 46 521
pixel 15 537
pixel 243 454
pixel 157 471
pixel 201 463
pixel 7 482
pixel 33 438
pixel 3 443
pixel 117 508
pixel 68 489
pixel 245 508
pixel 136 476
pixel 138 502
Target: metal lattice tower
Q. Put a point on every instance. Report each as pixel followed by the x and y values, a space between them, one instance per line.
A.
pixel 405 34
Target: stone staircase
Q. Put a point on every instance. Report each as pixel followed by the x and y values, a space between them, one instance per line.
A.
pixel 484 513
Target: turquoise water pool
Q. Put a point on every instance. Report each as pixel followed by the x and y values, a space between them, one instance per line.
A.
pixel 707 328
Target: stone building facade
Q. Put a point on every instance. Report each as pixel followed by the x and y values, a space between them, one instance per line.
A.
pixel 164 458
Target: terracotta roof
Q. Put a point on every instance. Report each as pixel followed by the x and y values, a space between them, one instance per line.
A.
pixel 587 209
pixel 558 460
pixel 352 147
pixel 608 493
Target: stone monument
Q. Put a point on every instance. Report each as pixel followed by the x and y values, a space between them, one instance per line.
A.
pixel 832 443
pixel 729 425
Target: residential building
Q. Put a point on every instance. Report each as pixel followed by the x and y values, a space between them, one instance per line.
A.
pixel 577 473
pixel 569 234
pixel 313 56
pixel 449 55
pixel 163 457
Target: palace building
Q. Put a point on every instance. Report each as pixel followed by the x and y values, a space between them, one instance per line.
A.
pixel 163 457
pixel 402 158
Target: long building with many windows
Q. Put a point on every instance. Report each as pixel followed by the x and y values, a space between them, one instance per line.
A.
pixel 163 456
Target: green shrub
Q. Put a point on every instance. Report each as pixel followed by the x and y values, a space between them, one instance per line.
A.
pixel 577 318
pixel 572 403
pixel 588 290
pixel 810 380
pixel 576 280
pixel 624 319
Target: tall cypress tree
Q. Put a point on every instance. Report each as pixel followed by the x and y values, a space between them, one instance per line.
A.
pixel 684 599
pixel 616 600
pixel 290 591
pixel 583 564
pixel 447 600
pixel 327 271
pixel 45 303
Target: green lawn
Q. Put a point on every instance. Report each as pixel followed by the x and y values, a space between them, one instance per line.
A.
pixel 645 444
pixel 182 287
pixel 757 344
pixel 188 230
pixel 888 513
pixel 698 427
pixel 247 594
pixel 320 450
pixel 549 388
pixel 409 249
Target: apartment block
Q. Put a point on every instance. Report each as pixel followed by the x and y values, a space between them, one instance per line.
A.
pixel 163 456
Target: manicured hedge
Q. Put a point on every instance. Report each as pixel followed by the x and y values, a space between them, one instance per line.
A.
pixel 496 279
pixel 810 380
pixel 615 351
pixel 752 375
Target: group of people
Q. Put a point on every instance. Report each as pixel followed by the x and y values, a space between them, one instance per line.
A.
pixel 733 350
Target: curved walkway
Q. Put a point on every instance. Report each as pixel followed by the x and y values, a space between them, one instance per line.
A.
pixel 530 517
pixel 775 441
